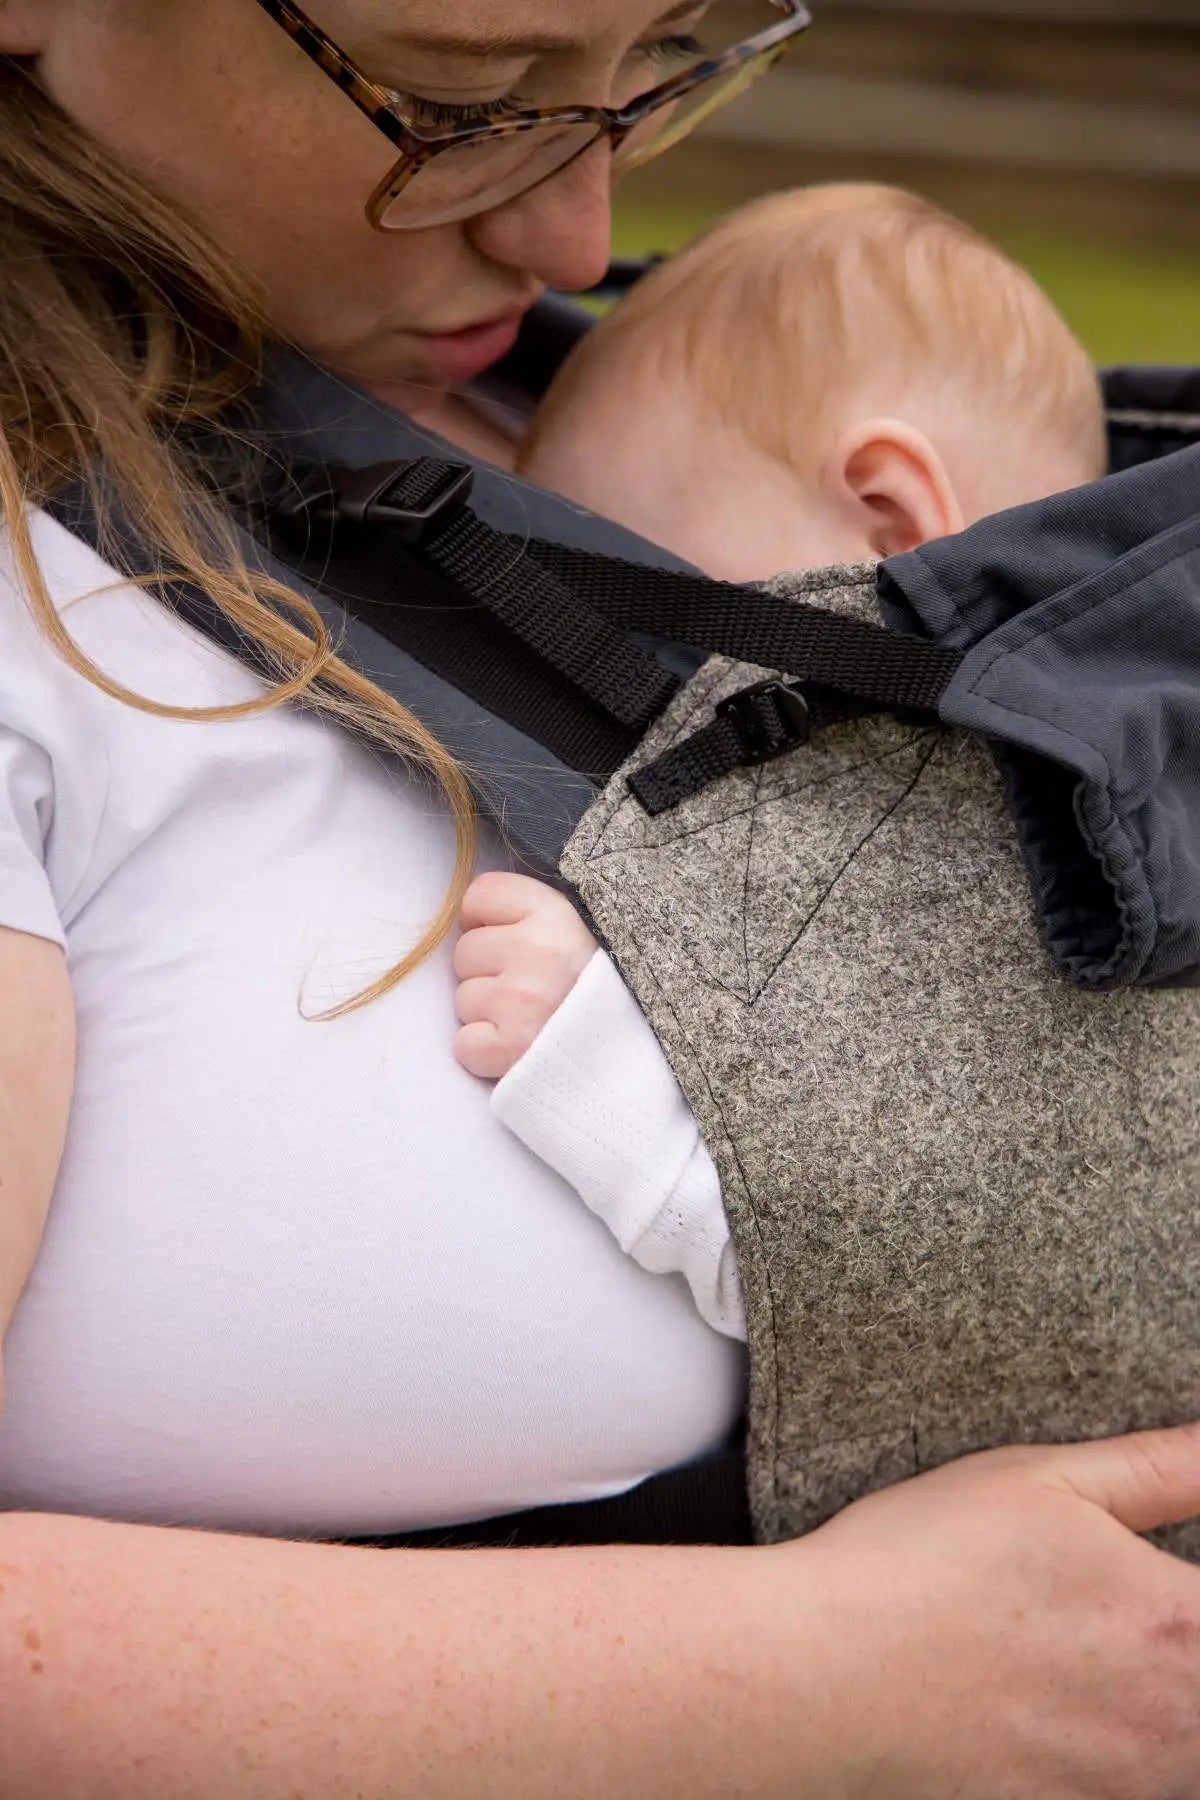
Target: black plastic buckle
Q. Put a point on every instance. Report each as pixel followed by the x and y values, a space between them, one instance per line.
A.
pixel 769 718
pixel 368 497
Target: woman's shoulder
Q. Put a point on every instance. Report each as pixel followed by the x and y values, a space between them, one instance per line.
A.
pixel 53 583
pixel 95 759
pixel 66 567
pixel 40 577
pixel 79 617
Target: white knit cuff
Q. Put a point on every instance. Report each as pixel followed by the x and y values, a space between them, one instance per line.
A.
pixel 596 1099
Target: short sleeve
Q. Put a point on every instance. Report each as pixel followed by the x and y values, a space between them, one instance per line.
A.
pixel 26 812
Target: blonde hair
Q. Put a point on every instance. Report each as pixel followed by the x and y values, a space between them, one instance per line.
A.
pixel 791 304
pixel 122 328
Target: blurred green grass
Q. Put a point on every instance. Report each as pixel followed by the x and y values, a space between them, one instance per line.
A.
pixel 1127 304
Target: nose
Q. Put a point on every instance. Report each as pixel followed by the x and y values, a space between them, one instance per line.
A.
pixel 560 232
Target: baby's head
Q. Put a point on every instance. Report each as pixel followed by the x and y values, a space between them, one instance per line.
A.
pixel 830 375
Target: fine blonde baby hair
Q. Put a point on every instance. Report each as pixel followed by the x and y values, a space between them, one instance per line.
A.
pixel 792 306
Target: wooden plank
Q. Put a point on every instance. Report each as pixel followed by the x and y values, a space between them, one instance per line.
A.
pixel 1118 208
pixel 1092 63
pixel 870 113
pixel 1131 16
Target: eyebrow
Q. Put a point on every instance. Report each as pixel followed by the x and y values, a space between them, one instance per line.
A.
pixel 519 45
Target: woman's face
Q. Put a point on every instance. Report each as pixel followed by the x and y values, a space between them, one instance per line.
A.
pixel 213 102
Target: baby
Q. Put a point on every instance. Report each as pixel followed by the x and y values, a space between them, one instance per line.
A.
pixel 827 376
pixel 834 375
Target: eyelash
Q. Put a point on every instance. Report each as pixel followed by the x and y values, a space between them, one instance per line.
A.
pixel 672 49
pixel 443 112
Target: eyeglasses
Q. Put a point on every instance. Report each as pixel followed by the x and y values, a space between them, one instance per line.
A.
pixel 458 161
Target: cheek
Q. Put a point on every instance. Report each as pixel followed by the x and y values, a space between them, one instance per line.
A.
pixel 299 225
pixel 277 165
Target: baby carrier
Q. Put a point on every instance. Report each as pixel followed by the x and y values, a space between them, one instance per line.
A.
pixel 903 866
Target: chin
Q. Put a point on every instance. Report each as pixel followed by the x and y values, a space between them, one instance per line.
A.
pixel 409 389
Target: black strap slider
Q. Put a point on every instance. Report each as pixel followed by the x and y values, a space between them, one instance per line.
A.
pixel 769 718
pixel 413 498
pixel 752 726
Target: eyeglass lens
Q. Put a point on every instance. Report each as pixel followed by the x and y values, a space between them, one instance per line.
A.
pixel 484 173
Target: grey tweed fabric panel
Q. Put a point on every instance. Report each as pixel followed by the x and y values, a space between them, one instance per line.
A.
pixel 963 1195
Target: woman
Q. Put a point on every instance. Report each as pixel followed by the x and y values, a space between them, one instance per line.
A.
pixel 256 1307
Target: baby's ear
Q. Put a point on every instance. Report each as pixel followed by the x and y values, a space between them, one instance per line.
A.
pixel 892 477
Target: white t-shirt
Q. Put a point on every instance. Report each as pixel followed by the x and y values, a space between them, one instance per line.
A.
pixel 301 1277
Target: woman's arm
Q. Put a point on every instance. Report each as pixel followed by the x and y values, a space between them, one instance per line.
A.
pixel 988 1630
pixel 140 1664
pixel 37 1067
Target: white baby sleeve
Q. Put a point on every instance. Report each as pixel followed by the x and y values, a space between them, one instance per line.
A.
pixel 595 1098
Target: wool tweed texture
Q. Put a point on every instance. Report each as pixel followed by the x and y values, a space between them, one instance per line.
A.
pixel 964 1195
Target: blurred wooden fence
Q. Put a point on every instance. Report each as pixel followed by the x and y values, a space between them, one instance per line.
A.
pixel 1085 111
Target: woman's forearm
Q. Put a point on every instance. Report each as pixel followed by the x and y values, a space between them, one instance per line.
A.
pixel 152 1665
pixel 993 1627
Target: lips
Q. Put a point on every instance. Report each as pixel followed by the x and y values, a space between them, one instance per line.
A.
pixel 455 356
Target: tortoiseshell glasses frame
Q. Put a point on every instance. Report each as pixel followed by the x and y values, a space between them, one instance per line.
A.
pixel 576 129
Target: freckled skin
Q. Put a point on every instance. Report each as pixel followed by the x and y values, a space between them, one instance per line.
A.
pixel 223 112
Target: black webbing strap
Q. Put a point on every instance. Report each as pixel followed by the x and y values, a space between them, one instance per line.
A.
pixel 423 504
pixel 580 643
pixel 852 657
pixel 705 1503
pixel 425 614
pixel 578 596
pixel 753 726
pixel 594 691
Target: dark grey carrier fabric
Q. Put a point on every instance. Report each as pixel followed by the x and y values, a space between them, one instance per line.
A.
pixel 1080 620
pixel 964 1194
